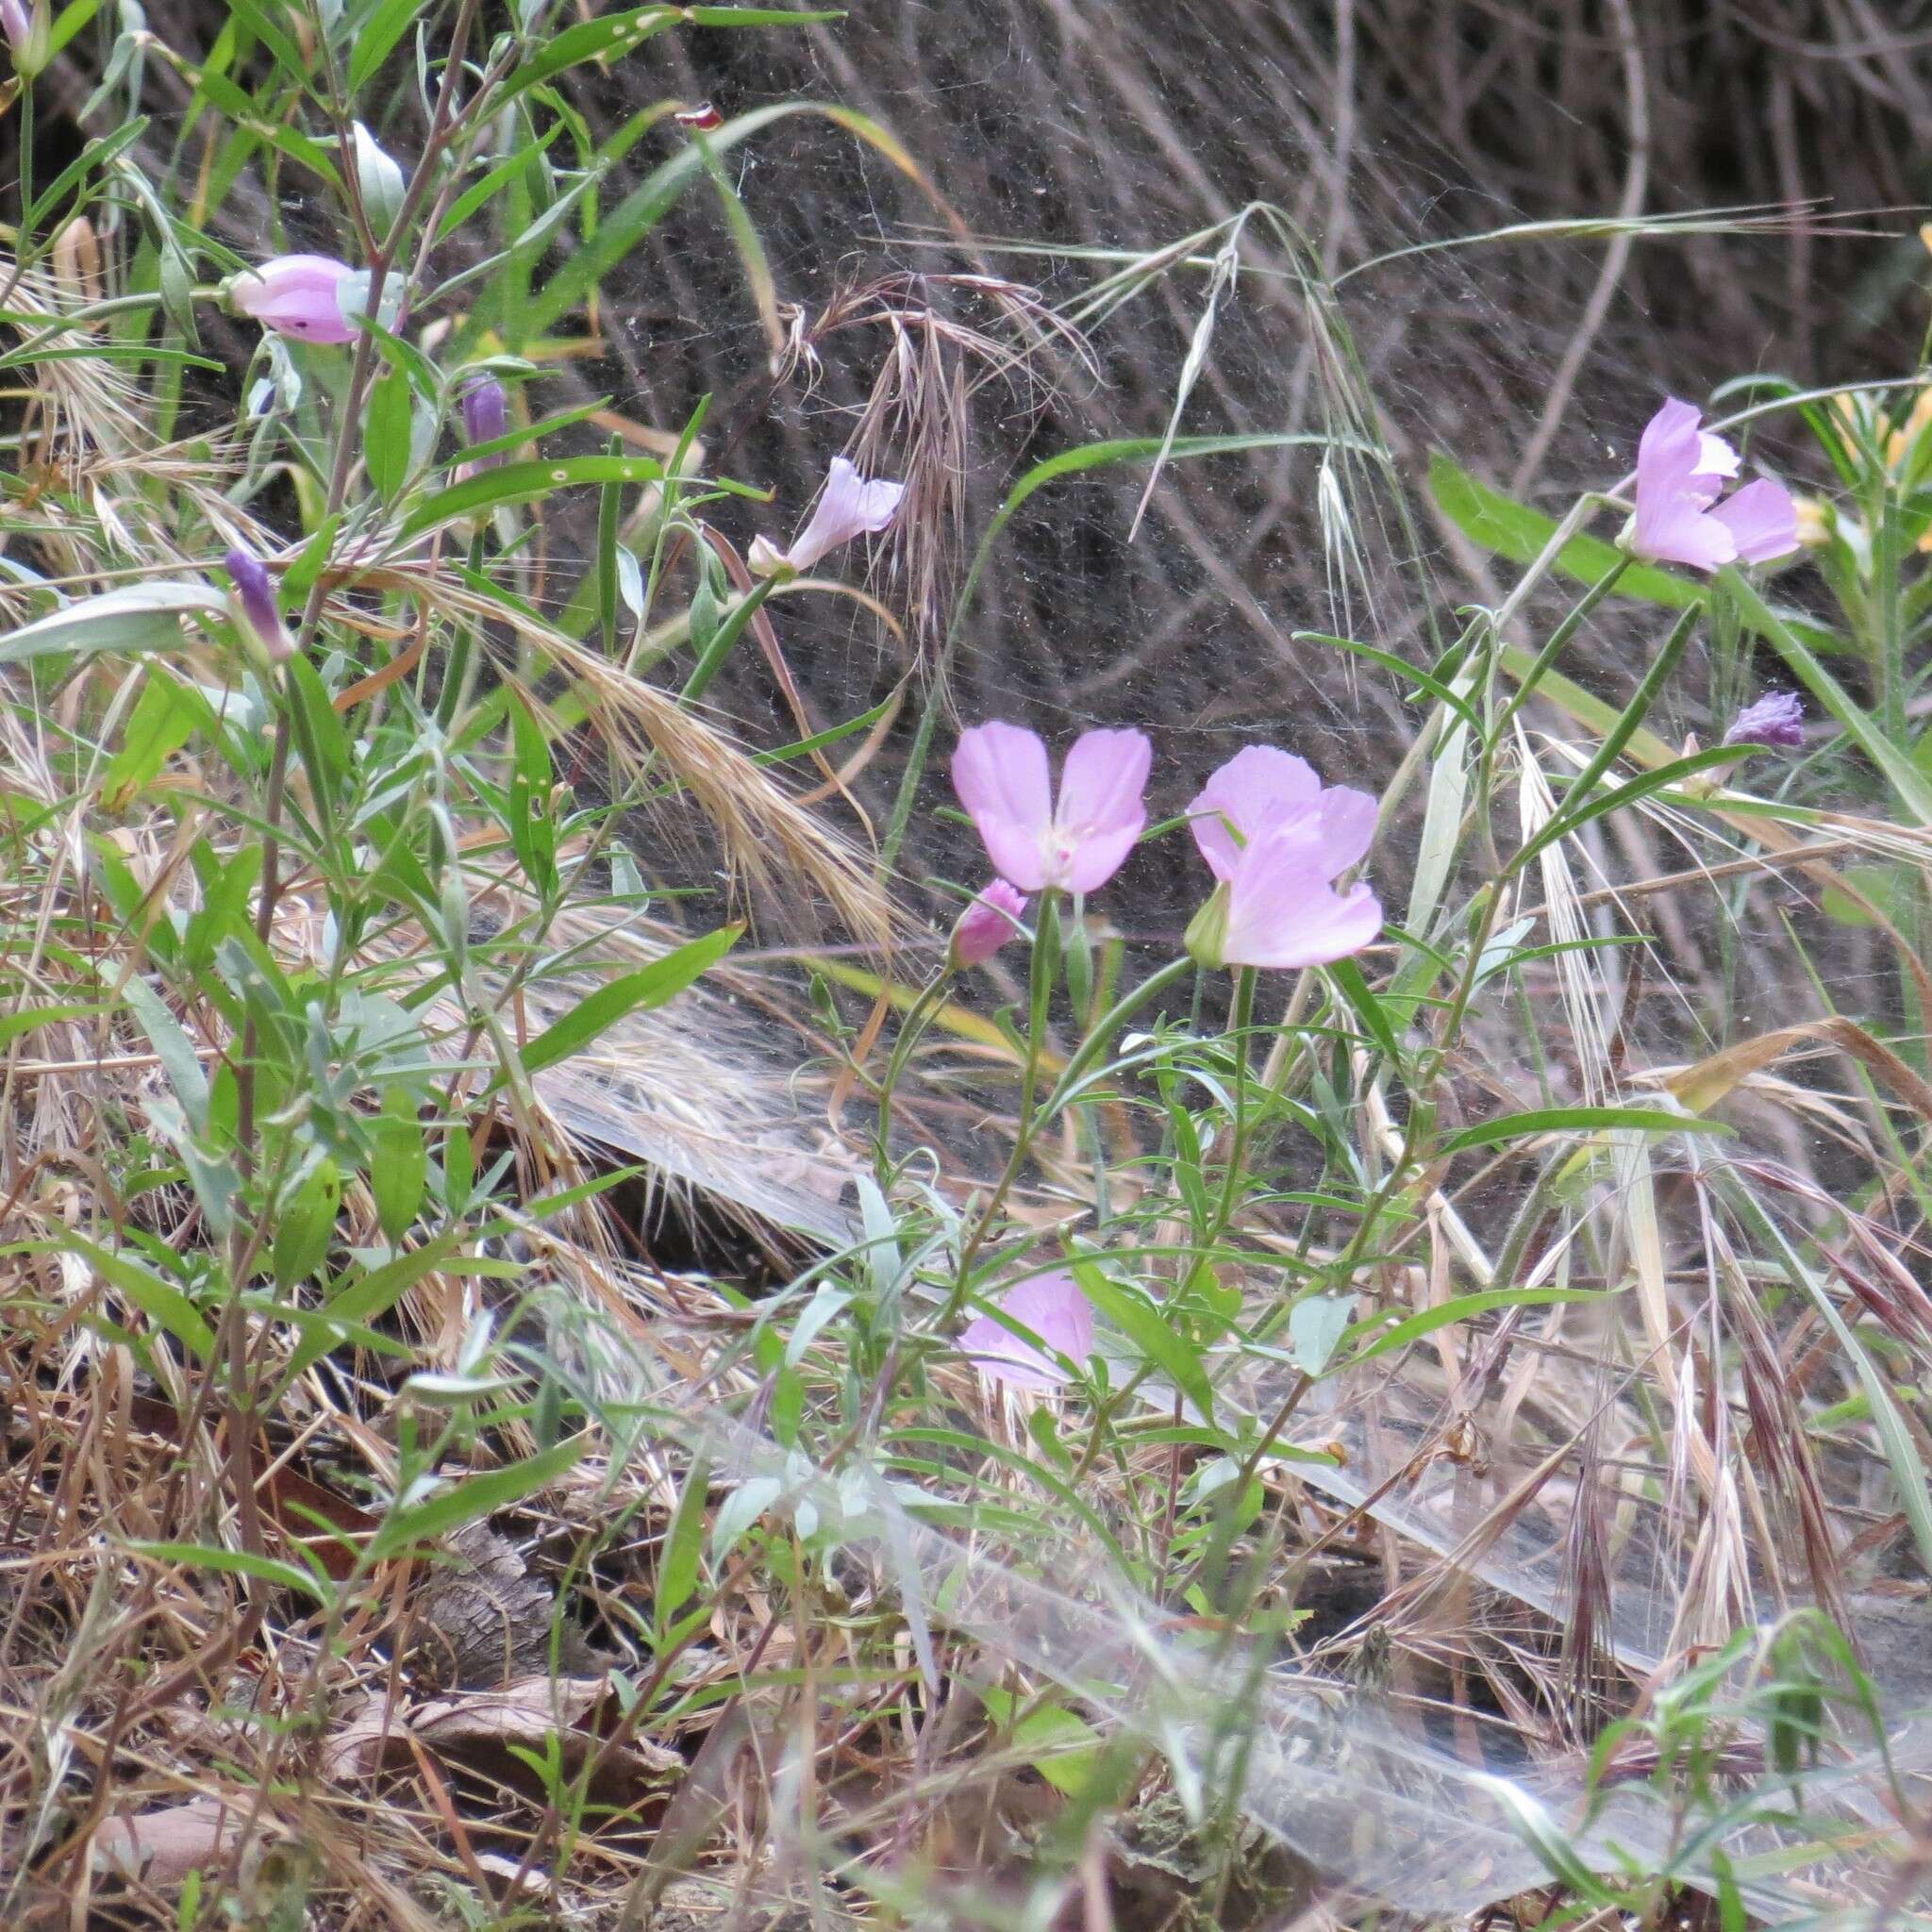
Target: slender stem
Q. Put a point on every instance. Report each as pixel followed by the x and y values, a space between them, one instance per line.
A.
pixel 911 1033
pixel 1045 958
pixel 1243 1019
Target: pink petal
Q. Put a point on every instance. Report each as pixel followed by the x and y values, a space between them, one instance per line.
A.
pixel 1675 489
pixel 986 925
pixel 1282 912
pixel 848 507
pixel 1000 773
pixel 1762 521
pixel 1715 457
pixel 297 295
pixel 1053 1309
pixel 1348 828
pixel 1100 811
pixel 1257 787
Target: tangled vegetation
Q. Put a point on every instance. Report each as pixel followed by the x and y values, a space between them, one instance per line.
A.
pixel 575 1353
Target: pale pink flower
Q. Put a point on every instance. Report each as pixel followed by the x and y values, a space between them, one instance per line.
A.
pixel 1680 472
pixel 1776 720
pixel 299 295
pixel 848 507
pixel 1000 772
pixel 1053 1308
pixel 1276 838
pixel 986 925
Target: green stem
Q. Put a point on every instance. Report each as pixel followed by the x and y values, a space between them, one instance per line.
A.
pixel 1243 1019
pixel 1040 989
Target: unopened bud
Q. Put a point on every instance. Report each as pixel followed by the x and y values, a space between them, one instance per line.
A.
pixel 77 257
pixel 986 925
pixel 254 604
pixel 29 33
pixel 485 412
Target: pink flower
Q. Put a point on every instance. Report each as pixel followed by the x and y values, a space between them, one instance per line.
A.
pixel 1000 772
pixel 986 925
pixel 1776 720
pixel 848 507
pixel 1680 471
pixel 1053 1309
pixel 1276 838
pixel 299 295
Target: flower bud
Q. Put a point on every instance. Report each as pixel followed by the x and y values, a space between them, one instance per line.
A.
pixel 1815 522
pixel 1207 935
pixel 300 295
pixel 254 608
pixel 985 926
pixel 703 116
pixel 1775 721
pixel 485 412
pixel 29 35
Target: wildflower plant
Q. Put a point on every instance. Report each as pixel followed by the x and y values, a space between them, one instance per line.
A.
pixel 367 809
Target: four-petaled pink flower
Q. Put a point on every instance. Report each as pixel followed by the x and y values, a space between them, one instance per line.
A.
pixel 1276 839
pixel 1000 772
pixel 1777 720
pixel 848 507
pixel 300 295
pixel 986 925
pixel 1680 471
pixel 1053 1308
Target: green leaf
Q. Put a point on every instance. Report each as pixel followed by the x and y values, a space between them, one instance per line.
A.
pixel 1901 772
pixel 362 1300
pixel 140 617
pixel 386 434
pixel 618 34
pixel 1315 1324
pixel 626 225
pixel 606 38
pixel 308 1224
pixel 374 38
pixel 1378 1335
pixel 478 1495
pixel 173 1049
pixel 1576 1120
pixel 739 1510
pixel 240 109
pixel 1064 1747
pixel 400 1165
pixel 677 1574
pixel 234 1563
pixel 651 986
pixel 1509 529
pixel 521 483
pixel 1146 1329
pixel 158 1299
pixel 1368 1008
pixel 163 721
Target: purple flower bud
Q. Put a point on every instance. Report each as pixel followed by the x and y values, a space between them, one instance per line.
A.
pixel 485 412
pixel 1776 720
pixel 255 598
pixel 16 22
pixel 986 925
